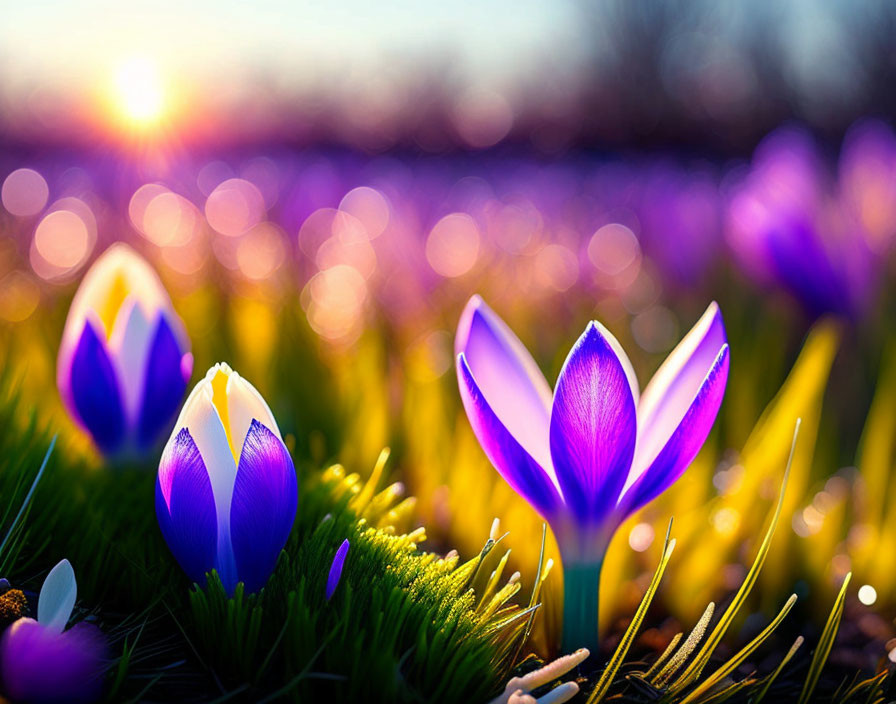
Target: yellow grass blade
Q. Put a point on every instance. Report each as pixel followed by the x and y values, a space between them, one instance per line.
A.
pixel 825 644
pixel 661 660
pixel 772 677
pixel 609 673
pixel 719 675
pixel 693 640
pixel 693 670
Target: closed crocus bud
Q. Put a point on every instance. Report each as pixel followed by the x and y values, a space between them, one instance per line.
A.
pixel 226 492
pixel 124 361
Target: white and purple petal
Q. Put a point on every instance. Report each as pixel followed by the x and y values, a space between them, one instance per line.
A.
pixel 593 426
pixel 185 507
pixel 40 665
pixel 263 507
pixel 508 378
pixel 519 469
pixel 205 425
pixel 94 391
pixel 685 442
pixel 128 346
pixel 164 382
pixel 674 386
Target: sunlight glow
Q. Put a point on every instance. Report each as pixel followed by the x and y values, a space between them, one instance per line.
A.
pixel 139 90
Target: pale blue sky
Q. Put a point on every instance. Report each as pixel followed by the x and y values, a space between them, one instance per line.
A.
pixel 286 40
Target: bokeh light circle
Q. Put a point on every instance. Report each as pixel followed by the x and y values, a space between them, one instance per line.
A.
pixel 556 267
pixel 613 249
pixel 867 594
pixel 370 207
pixel 234 207
pixel 260 252
pixel 482 118
pixel 24 192
pixel 140 200
pixel 334 301
pixel 170 220
pixel 63 239
pixel 453 245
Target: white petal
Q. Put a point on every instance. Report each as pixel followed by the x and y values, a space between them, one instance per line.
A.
pixel 117 265
pixel 671 391
pixel 508 378
pixel 201 388
pixel 57 597
pixel 129 349
pixel 204 424
pixel 244 404
pixel 201 418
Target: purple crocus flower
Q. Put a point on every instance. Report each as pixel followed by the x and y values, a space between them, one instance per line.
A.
pixel 867 180
pixel 336 569
pixel 226 492
pixel 43 662
pixel 786 227
pixel 596 450
pixel 124 360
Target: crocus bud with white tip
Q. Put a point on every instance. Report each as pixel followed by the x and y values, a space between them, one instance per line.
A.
pixel 226 493
pixel 125 360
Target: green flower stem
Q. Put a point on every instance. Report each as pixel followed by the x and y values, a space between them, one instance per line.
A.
pixel 581 587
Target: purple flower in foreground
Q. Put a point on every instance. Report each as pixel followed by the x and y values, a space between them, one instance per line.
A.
pixel 596 450
pixel 336 569
pixel 42 662
pixel 226 492
pixel 124 360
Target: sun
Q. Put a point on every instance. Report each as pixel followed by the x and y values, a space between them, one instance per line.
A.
pixel 139 90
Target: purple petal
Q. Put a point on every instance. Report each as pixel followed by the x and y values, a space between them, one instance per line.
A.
pixel 684 444
pixel 95 391
pixel 185 507
pixel 507 377
pixel 593 426
pixel 163 386
pixel 263 507
pixel 674 386
pixel 519 469
pixel 802 263
pixel 39 665
pixel 336 568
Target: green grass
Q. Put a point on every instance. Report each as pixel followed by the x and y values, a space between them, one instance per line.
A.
pixel 403 626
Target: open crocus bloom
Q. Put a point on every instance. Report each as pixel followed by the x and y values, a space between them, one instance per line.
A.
pixel 596 449
pixel 41 661
pixel 226 492
pixel 124 361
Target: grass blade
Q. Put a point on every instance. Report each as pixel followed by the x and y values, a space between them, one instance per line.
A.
pixel 693 670
pixel 769 681
pixel 609 673
pixel 825 644
pixel 40 472
pixel 732 664
pixel 684 652
pixel 661 660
